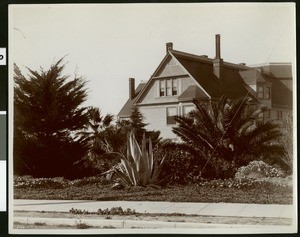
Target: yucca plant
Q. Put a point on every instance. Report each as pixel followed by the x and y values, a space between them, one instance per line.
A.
pixel 137 168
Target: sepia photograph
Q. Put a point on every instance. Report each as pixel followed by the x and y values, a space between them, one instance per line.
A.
pixel 171 118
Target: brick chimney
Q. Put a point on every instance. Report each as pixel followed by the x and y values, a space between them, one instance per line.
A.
pixel 217 61
pixel 169 46
pixel 131 88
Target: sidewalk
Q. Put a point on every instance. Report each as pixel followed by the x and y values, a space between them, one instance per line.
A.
pixel 200 209
pixel 203 209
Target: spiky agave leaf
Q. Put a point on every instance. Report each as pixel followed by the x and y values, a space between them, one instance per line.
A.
pixel 157 170
pixel 129 170
pixel 135 151
pixel 144 169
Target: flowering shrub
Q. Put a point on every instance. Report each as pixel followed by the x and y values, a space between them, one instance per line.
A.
pixel 29 182
pixel 89 180
pixel 258 169
pixel 25 182
pixel 243 183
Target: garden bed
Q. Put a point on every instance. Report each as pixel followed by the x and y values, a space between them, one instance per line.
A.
pixel 95 188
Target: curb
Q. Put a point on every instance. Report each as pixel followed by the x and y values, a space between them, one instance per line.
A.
pixel 130 224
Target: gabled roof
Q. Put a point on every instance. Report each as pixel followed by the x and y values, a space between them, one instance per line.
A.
pixel 191 93
pixel 234 81
pixel 230 84
pixel 127 108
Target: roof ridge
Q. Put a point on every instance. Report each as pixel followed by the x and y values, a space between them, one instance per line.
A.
pixel 209 60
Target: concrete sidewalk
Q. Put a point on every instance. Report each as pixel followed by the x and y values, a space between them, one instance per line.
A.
pixel 201 209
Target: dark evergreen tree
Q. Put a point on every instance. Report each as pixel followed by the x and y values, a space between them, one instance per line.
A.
pixel 48 113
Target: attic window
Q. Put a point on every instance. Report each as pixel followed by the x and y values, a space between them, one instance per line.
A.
pixel 168 87
pixel 162 88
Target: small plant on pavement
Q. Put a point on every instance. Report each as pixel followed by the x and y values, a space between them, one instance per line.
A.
pixel 112 211
pixel 82 225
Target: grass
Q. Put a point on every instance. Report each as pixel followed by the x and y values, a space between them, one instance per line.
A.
pixel 229 191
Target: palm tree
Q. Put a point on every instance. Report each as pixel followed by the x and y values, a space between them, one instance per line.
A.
pixel 226 135
pixel 94 132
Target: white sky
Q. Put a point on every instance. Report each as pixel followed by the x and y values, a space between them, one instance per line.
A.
pixel 108 43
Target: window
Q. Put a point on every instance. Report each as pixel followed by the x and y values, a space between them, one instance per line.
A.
pixel 268 92
pixel 264 92
pixel 162 88
pixel 187 109
pixel 168 87
pixel 260 92
pixel 171 113
pixel 174 87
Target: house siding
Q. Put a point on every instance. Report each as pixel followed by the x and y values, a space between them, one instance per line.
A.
pixel 156 118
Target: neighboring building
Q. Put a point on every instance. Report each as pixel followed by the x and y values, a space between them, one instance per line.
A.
pixel 182 77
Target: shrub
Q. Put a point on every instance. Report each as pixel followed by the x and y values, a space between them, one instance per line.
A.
pixel 28 182
pixel 89 180
pixel 179 167
pixel 258 169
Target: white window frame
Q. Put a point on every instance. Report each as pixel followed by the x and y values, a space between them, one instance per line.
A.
pixel 168 87
pixel 168 116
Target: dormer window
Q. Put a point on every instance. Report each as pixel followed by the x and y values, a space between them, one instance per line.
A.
pixel 264 92
pixel 260 92
pixel 168 87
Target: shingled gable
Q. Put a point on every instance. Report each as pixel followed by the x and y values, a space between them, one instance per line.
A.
pixel 168 56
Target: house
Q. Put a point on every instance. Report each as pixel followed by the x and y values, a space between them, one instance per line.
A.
pixel 181 77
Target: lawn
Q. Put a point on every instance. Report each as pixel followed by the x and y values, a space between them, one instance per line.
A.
pixel 271 191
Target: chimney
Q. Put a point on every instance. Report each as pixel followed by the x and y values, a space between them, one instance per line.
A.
pixel 169 46
pixel 217 61
pixel 218 47
pixel 131 88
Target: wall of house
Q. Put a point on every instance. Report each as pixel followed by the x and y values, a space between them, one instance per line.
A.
pixel 156 117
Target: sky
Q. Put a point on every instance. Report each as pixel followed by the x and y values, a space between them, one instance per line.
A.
pixel 109 43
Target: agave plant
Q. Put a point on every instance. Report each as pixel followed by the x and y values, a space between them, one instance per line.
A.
pixel 137 167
